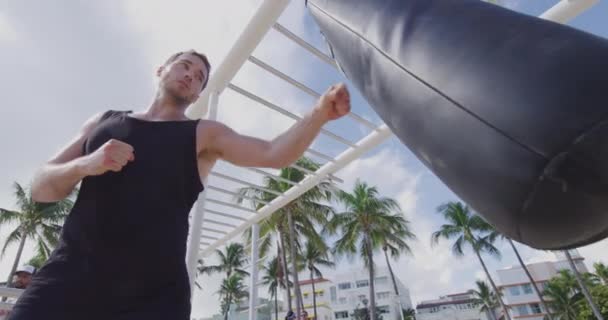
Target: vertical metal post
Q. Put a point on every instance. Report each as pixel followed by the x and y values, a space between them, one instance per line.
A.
pixel 198 213
pixel 253 277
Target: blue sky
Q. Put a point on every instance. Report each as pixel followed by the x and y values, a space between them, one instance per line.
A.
pixel 62 64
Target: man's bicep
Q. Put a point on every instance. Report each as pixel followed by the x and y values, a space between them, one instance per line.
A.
pixel 74 148
pixel 243 150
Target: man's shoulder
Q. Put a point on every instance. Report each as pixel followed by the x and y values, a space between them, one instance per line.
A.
pixel 212 128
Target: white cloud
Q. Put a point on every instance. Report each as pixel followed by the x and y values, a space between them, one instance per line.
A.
pixel 7 31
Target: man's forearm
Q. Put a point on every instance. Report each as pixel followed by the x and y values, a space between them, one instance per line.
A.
pixel 54 182
pixel 290 145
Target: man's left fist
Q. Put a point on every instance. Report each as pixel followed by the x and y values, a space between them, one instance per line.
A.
pixel 335 102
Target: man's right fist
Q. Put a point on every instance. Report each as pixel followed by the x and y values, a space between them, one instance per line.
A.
pixel 111 156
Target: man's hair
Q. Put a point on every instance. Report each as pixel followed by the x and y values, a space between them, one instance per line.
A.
pixel 201 56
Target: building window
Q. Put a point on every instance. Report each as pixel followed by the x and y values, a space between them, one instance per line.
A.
pixel 544 285
pixel 341 314
pixel 342 300
pixel 523 310
pixel 536 308
pixel 383 295
pixel 527 288
pixel 344 286
pixel 334 293
pixel 514 290
pixel 362 283
pixel 381 280
pixel 384 309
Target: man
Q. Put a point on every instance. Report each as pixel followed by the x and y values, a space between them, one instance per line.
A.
pixel 23 276
pixel 21 280
pixel 122 249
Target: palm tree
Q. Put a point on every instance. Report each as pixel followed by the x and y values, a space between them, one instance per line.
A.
pixel 41 222
pixel 201 269
pixel 272 278
pixel 601 271
pixel 231 261
pixel 408 314
pixel 485 297
pixel 561 300
pixel 583 287
pixel 313 257
pixel 468 229
pixel 231 291
pixel 395 242
pixel 299 217
pixel 365 223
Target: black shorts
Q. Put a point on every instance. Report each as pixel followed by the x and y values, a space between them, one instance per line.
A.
pixel 68 288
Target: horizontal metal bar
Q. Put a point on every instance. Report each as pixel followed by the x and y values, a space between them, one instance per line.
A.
pixel 228 204
pixel 361 120
pixel 318 53
pixel 236 194
pixel 284 112
pixel 10 292
pixel 209 237
pixel 213 230
pixel 219 223
pixel 320 155
pixel 6 306
pixel 567 10
pixel 330 176
pixel 270 175
pixel 306 89
pixel 285 77
pixel 225 214
pixel 226 177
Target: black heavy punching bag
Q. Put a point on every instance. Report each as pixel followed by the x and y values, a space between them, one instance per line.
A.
pixel 508 110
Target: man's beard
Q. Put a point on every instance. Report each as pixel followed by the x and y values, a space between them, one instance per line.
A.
pixel 180 100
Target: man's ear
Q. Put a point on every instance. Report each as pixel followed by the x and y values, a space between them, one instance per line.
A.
pixel 159 71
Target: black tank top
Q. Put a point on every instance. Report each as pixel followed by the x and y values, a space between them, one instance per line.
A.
pixel 135 221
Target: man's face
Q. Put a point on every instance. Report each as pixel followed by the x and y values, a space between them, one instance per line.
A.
pixel 22 280
pixel 184 77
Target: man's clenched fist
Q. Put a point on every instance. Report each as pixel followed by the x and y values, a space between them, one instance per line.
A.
pixel 335 102
pixel 111 156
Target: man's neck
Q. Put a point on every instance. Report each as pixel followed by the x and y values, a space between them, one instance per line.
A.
pixel 165 108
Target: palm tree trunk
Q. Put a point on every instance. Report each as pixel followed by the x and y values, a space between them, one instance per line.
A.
pixel 490 312
pixel 372 287
pixel 285 269
pixel 276 304
pixel 294 264
pixel 390 271
pixel 9 281
pixel 314 295
pixel 584 289
pixel 502 304
pixel 532 282
pixel 227 307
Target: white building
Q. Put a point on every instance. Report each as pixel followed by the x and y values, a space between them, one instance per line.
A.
pixel 518 293
pixel 460 306
pixel 322 296
pixel 350 291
